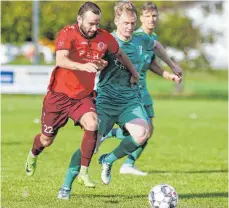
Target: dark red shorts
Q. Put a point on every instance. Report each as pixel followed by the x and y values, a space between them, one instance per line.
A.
pixel 57 108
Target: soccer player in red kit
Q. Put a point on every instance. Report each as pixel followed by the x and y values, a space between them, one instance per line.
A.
pixel 79 52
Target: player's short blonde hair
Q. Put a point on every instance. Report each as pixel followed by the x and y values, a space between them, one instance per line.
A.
pixel 124 6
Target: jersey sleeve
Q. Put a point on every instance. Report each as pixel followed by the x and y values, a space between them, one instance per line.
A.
pixel 112 44
pixel 63 40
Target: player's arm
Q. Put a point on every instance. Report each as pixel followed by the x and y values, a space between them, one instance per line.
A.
pixel 62 60
pixel 125 61
pixel 156 68
pixel 63 46
pixel 162 54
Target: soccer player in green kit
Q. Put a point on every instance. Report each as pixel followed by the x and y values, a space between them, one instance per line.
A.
pixel 117 101
pixel 148 17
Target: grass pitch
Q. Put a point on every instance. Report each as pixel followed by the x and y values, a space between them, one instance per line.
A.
pixel 188 151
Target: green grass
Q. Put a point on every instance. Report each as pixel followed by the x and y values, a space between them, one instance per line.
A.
pixel 188 151
pixel 197 84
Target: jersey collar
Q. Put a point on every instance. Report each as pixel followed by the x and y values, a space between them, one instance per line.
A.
pixel 127 41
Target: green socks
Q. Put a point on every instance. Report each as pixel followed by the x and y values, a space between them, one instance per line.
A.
pixel 119 134
pixel 127 146
pixel 135 155
pixel 73 169
pixel 118 152
pixel 116 132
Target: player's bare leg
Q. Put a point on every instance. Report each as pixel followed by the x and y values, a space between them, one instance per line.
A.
pixel 129 165
pixel 40 142
pixel 138 129
pixel 80 161
pixel 89 121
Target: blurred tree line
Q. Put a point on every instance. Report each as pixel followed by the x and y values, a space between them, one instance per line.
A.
pixel 17 20
pixel 175 29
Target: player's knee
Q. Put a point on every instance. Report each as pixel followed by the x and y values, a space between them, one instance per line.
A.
pixel 91 124
pixel 89 121
pixel 46 141
pixel 142 135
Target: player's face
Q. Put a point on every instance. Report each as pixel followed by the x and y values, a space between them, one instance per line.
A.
pixel 89 23
pixel 149 19
pixel 126 24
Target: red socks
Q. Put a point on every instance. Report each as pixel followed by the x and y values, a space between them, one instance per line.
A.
pixel 37 146
pixel 88 146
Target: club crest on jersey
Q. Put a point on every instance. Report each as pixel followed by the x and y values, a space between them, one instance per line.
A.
pixel 60 44
pixel 101 46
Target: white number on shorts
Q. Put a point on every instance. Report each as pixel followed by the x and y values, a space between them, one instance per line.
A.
pixel 48 129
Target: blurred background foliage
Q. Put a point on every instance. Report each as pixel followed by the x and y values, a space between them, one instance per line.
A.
pixel 54 15
pixel 175 28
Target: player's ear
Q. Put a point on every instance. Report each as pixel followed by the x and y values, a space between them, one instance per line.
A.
pixel 79 19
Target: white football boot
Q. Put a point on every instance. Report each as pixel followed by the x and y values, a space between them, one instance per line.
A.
pixel 129 169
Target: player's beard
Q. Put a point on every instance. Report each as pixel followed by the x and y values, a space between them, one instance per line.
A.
pixel 86 32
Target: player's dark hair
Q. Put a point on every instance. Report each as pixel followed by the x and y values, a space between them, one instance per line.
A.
pixel 148 6
pixel 89 6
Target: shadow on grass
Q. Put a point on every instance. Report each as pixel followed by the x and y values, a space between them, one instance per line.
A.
pixel 190 172
pixel 203 195
pixel 108 196
pixel 126 197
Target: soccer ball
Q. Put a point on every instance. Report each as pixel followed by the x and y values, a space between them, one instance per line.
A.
pixel 163 196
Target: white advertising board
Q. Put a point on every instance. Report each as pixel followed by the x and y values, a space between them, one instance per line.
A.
pixel 25 79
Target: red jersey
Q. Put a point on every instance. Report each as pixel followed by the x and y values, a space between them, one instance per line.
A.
pixel 74 83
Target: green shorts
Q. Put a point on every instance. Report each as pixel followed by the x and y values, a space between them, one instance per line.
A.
pixel 109 116
pixel 147 102
pixel 149 110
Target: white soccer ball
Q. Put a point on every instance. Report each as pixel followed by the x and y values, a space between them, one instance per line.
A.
pixel 163 196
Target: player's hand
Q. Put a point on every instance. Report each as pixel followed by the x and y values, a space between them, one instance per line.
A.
pixel 177 70
pixel 101 64
pixel 175 78
pixel 89 67
pixel 134 79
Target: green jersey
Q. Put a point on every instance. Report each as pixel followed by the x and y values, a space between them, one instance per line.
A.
pixel 147 56
pixel 114 81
